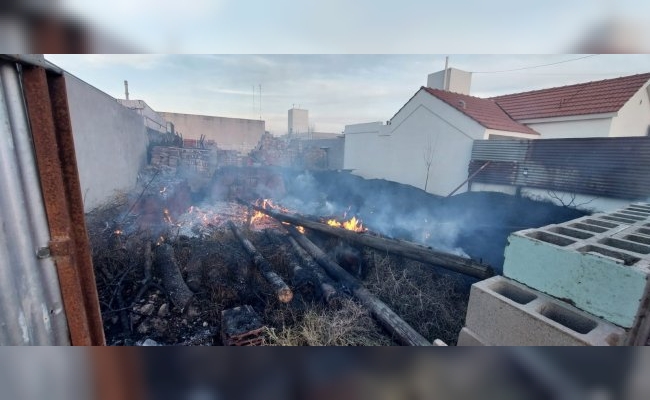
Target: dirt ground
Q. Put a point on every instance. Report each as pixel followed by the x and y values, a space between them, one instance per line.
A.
pixel 432 300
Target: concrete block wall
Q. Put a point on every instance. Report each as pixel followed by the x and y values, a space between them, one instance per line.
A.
pixel 110 142
pixel 598 263
pixel 503 312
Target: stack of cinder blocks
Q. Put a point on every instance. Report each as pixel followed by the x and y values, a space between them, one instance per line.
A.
pixel 583 282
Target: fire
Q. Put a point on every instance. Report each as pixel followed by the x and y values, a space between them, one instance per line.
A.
pixel 301 229
pixel 268 204
pixel 353 224
pixel 257 216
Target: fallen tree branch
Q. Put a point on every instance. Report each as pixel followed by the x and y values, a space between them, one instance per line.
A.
pixel 406 249
pixel 387 317
pixel 281 289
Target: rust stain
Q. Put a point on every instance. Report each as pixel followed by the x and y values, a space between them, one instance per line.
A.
pixel 53 143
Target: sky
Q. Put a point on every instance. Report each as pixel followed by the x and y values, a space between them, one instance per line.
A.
pixel 336 89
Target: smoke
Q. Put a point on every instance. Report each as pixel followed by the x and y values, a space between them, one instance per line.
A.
pixel 382 207
pixel 474 225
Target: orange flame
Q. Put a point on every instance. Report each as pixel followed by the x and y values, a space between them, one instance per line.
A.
pixel 301 229
pixel 353 224
pixel 257 216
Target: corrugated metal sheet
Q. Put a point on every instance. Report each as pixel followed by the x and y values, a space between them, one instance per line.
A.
pixel 31 308
pixel 500 150
pixel 610 167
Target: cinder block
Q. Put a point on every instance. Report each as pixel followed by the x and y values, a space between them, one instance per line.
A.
pixel 502 312
pixel 598 263
pixel 468 338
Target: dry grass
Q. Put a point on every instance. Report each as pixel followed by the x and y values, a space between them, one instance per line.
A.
pixel 349 325
pixel 434 305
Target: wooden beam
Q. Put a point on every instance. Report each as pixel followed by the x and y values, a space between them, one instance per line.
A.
pixel 387 317
pixel 402 248
pixel 281 289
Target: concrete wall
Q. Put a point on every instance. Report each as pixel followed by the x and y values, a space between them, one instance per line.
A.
pixel 397 151
pixel 229 133
pixel 152 119
pixel 572 128
pixel 110 142
pixel 334 148
pixel 366 150
pixel 633 118
pixel 584 202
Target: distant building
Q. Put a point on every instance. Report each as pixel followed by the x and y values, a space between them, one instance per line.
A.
pixel 299 127
pixel 152 119
pixel 298 122
pixel 237 134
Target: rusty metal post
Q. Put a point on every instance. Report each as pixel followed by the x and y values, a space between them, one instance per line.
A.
pixel 47 107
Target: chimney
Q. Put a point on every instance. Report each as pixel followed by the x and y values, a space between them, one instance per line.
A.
pixel 126 89
pixel 451 80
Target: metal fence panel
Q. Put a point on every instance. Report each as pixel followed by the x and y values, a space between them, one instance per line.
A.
pixel 30 298
pixel 609 167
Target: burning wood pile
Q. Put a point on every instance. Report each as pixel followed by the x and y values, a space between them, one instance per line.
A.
pixel 238 272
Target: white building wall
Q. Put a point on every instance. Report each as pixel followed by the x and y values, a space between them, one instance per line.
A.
pixel 110 142
pixel 397 151
pixel 572 128
pixel 633 118
pixel 298 121
pixel 458 81
pixel 514 135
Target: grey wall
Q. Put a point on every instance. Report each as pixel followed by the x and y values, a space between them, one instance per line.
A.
pixel 334 147
pixel 229 133
pixel 110 142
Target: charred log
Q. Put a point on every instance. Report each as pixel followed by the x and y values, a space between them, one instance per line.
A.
pixel 399 247
pixel 172 280
pixel 391 321
pixel 148 261
pixel 194 274
pixel 324 284
pixel 283 291
pixel 350 258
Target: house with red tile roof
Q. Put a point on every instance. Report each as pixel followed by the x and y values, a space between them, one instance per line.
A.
pixel 606 108
pixel 428 142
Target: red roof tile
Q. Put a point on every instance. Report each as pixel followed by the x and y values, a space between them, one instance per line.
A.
pixel 484 111
pixel 597 97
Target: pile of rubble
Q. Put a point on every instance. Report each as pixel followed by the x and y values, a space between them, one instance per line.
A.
pixel 200 161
